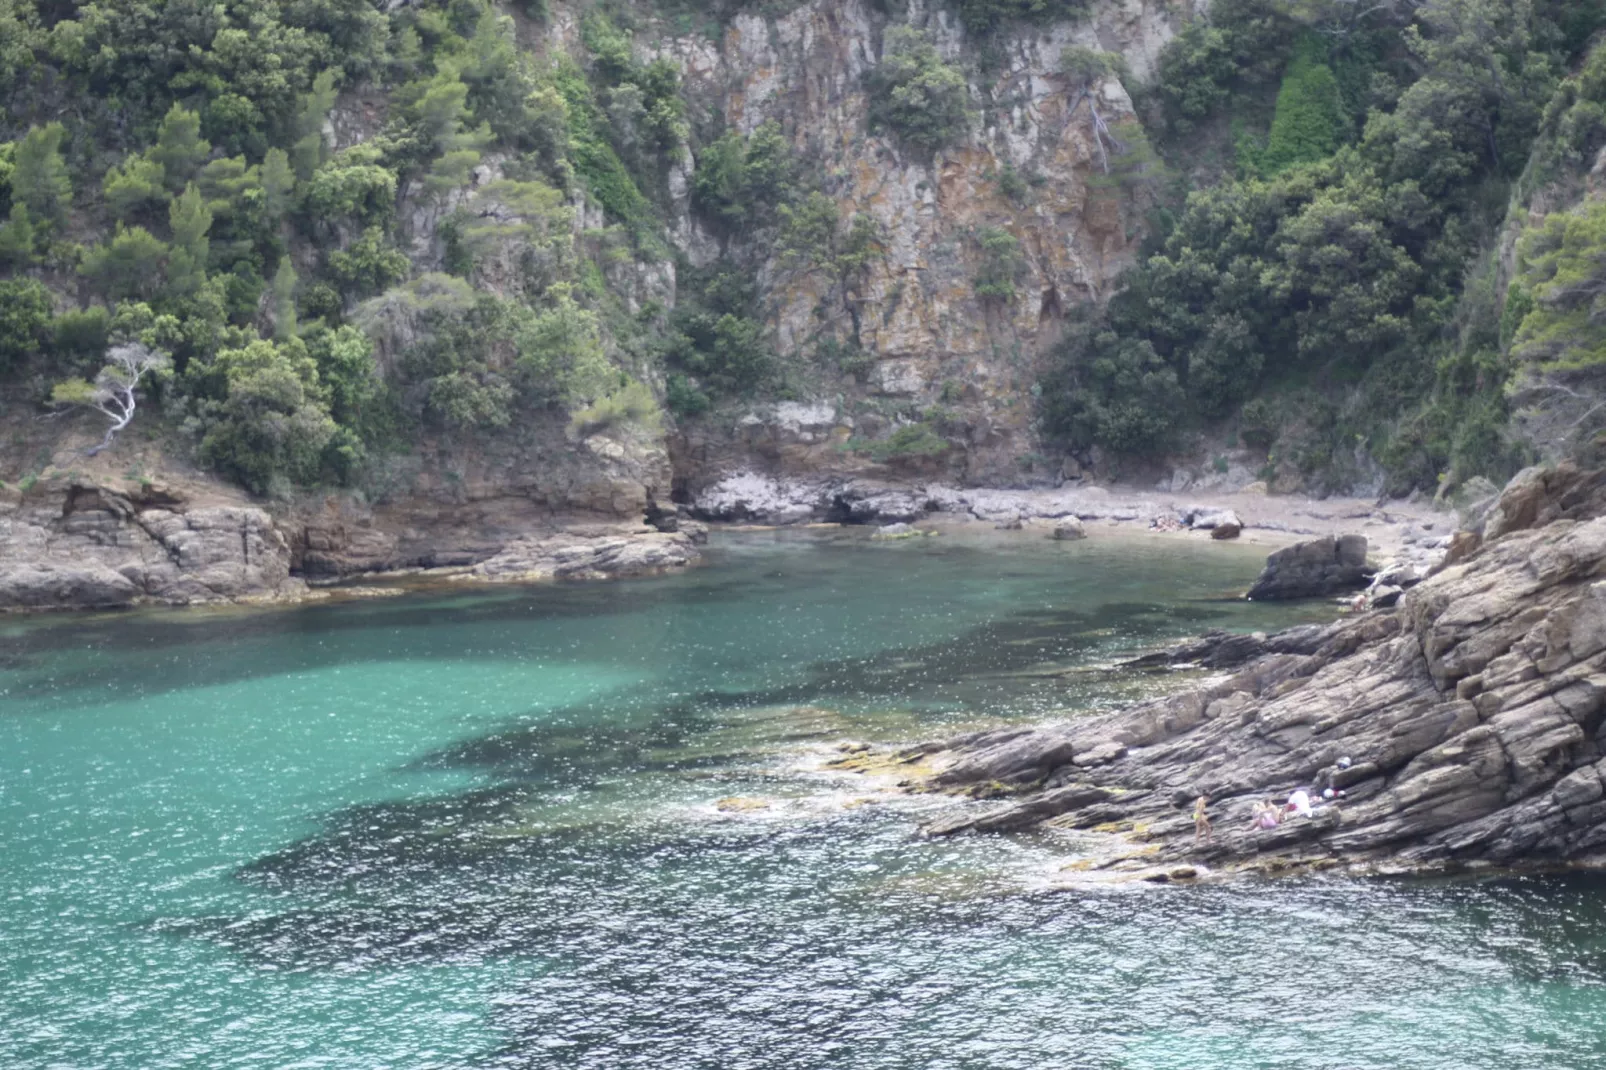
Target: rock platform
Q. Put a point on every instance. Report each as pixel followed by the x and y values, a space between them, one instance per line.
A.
pixel 1462 728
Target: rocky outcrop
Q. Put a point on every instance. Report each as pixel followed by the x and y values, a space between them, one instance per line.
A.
pixel 1466 727
pixel 590 552
pixel 72 546
pixel 1314 569
pixel 919 333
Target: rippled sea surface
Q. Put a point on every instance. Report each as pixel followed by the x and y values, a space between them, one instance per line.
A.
pixel 483 830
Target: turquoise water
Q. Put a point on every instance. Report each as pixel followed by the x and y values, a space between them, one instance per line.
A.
pixel 481 830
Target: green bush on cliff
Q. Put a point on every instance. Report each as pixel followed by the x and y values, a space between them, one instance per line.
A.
pixel 631 405
pixel 1240 46
pixel 1101 388
pixel 742 181
pixel 983 16
pixel 908 441
pixel 1309 121
pixel 263 419
pixel 916 96
pixel 24 320
pixel 1564 269
pixel 715 340
pixel 1000 265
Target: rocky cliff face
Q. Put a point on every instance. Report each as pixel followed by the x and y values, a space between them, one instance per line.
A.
pixel 1465 727
pixel 87 534
pixel 920 334
pixel 89 538
pixel 71 545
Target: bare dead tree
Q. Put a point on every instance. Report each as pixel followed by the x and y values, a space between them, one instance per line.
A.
pixel 113 393
pixel 1101 129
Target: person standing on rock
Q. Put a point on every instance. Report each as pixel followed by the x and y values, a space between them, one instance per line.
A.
pixel 1201 821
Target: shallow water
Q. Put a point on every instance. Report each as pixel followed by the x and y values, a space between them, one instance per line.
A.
pixel 479 830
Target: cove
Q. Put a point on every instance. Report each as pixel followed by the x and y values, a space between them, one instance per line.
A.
pixel 482 830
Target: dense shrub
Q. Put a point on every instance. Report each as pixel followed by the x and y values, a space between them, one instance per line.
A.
pixel 915 96
pixel 269 425
pixel 24 320
pixel 1001 265
pixel 1310 121
pixel 1564 269
pixel 715 339
pixel 906 442
pixel 631 405
pixel 742 181
pixel 1241 45
pixel 1108 390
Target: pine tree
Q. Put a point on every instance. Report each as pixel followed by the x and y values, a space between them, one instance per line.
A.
pixel 179 148
pixel 16 237
pixel 284 300
pixel 186 265
pixel 39 174
pixel 278 180
pixel 309 151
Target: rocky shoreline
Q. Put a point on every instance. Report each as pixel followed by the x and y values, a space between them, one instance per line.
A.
pixel 1462 728
pixel 1400 535
pixel 70 544
pixel 80 543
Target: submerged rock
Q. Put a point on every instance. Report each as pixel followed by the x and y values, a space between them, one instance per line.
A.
pixel 1464 728
pixel 1314 569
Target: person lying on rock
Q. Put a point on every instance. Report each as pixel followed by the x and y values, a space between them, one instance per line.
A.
pixel 1201 821
pixel 1298 804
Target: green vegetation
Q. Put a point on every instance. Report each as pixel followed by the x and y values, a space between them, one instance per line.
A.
pixel 915 96
pixel 1001 265
pixel 24 320
pixel 907 442
pixel 715 346
pixel 226 232
pixel 742 181
pixel 1564 278
pixel 346 225
pixel 1310 123
pixel 983 16
pixel 1335 265
pixel 632 405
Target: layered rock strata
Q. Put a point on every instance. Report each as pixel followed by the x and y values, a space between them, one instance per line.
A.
pixel 1464 728
pixel 69 544
pixel 72 546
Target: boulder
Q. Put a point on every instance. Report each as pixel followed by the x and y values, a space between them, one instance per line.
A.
pixel 1230 529
pixel 1314 569
pixel 599 552
pixel 1069 528
pixel 1207 518
pixel 1384 596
